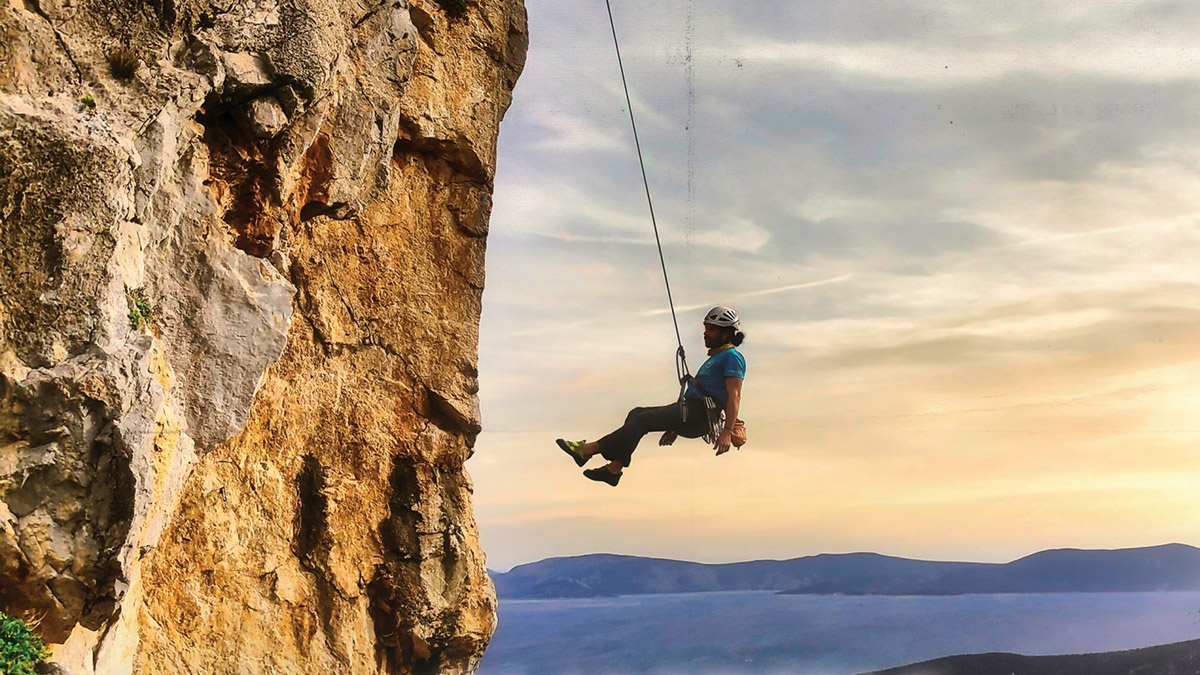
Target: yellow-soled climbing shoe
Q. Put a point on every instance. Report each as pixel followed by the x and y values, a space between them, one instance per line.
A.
pixel 572 448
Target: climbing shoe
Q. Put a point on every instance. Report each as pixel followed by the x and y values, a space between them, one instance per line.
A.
pixel 603 475
pixel 573 448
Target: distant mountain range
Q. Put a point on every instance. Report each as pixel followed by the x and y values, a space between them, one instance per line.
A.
pixel 1170 567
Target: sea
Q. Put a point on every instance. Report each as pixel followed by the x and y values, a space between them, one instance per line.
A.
pixel 763 632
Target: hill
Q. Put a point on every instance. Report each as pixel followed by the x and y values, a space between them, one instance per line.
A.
pixel 1170 567
pixel 1181 658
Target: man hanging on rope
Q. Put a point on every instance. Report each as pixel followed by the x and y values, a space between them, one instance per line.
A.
pixel 720 378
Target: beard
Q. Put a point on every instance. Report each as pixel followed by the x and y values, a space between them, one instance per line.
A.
pixel 713 341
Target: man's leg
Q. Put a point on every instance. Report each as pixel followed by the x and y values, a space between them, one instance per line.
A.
pixel 618 446
pixel 697 419
pixel 592 448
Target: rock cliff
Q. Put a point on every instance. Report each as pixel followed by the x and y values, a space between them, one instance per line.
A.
pixel 241 264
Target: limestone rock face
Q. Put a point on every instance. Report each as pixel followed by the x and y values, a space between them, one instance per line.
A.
pixel 241 265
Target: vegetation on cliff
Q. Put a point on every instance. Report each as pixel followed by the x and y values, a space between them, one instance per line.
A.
pixel 20 648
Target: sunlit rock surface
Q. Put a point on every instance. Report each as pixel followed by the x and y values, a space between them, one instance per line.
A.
pixel 241 263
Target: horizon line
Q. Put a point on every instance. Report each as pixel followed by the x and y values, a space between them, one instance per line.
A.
pixel 846 553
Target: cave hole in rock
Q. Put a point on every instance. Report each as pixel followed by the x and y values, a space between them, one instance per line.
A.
pixel 429 666
pixel 399 528
pixel 315 176
pixel 396 586
pixel 313 511
pixel 242 176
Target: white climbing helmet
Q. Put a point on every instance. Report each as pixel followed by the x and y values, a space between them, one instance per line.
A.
pixel 725 317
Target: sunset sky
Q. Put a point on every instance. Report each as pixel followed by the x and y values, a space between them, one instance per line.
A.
pixel 963 241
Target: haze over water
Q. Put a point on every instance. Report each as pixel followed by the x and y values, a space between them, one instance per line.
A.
pixel 762 632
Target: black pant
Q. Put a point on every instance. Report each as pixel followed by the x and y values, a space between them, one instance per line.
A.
pixel 620 444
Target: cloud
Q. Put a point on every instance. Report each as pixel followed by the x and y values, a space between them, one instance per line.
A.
pixel 568 133
pixel 951 64
pixel 910 240
pixel 755 294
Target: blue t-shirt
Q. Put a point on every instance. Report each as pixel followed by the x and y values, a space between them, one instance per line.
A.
pixel 723 364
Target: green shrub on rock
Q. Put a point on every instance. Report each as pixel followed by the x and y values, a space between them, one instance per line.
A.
pixel 141 313
pixel 20 648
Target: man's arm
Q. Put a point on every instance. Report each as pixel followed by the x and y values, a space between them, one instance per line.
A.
pixel 733 393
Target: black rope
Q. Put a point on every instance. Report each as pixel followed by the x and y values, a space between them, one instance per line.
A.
pixel 646 182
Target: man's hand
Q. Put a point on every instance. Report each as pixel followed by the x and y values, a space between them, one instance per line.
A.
pixel 723 441
pixel 668 438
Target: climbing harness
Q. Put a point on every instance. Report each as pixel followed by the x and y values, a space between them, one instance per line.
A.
pixel 716 413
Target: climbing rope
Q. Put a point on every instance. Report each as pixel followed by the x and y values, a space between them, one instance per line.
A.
pixel 681 368
pixel 680 362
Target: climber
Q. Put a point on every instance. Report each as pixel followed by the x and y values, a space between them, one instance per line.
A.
pixel 720 378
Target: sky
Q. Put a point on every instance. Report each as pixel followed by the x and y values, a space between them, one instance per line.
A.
pixel 963 241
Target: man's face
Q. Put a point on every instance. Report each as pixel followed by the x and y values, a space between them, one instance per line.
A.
pixel 712 335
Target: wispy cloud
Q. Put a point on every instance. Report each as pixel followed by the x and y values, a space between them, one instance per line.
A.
pixel 954 64
pixel 754 294
pixel 617 316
